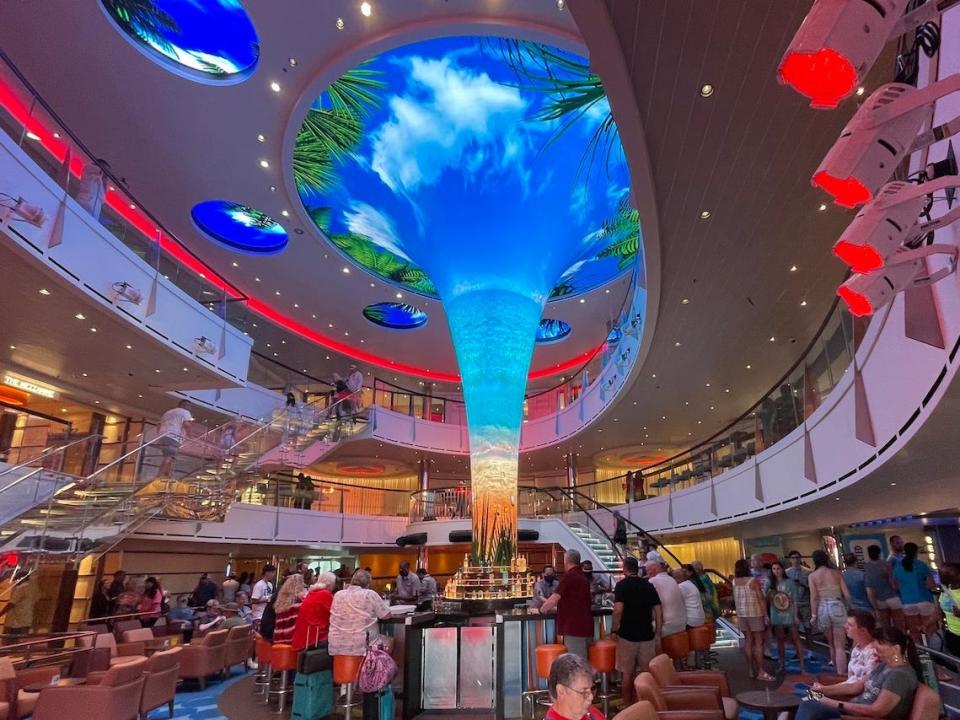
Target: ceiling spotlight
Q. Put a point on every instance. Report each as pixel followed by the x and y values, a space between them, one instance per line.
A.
pixel 823 207
pixel 685 301
pixel 582 300
pixel 234 263
pixel 773 339
pixel 264 164
pixel 84 374
pixel 340 24
pixel 273 188
pixel 258 280
pixel 79 316
pixel 93 329
pixel 366 9
pixel 748 367
pixel 296 305
pixel 860 91
pixel 261 138
pixel 129 347
pixel 275 86
pixel 346 270
pixel 157 370
pixel 44 291
pixel 399 296
pixel 33 136
pixel 561 5
pixel 276 292
pixel 285 213
pixel 704 214
pixel 708 384
pixel 706 90
pixel 132 206
pixel 803 303
pixel 292 61
pixel 677 344
pixel 13 347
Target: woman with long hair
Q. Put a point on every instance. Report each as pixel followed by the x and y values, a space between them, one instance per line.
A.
pixel 783 597
pixel 751 616
pixel 100 602
pixel 829 597
pixel 912 578
pixel 886 693
pixel 286 607
pixel 151 602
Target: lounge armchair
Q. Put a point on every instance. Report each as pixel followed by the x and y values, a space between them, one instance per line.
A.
pixel 689 703
pixel 204 657
pixel 239 647
pixel 115 697
pixel 667 677
pixel 160 681
pixel 137 635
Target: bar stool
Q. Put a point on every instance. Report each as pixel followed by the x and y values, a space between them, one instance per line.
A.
pixel 345 670
pixel 264 676
pixel 603 658
pixel 545 655
pixel 700 639
pixel 283 659
pixel 677 646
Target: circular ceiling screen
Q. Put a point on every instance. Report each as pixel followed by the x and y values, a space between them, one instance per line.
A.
pixel 396 316
pixel 551 331
pixel 209 40
pixel 239 227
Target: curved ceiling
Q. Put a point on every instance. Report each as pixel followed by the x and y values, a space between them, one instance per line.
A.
pixel 184 142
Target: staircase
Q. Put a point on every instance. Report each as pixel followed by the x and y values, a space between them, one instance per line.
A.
pixel 312 434
pixel 599 545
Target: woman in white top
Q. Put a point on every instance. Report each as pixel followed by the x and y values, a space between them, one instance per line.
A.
pixel 691 597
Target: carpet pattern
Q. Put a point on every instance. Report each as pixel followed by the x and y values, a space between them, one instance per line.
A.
pixel 192 703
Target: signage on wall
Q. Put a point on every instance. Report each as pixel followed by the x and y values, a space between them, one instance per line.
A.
pixel 858 544
pixel 30 386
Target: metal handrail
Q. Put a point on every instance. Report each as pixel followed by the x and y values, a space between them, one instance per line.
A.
pixel 549 493
pixel 47 453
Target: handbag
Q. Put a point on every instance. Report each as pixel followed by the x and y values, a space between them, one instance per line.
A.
pixel 315 657
pixel 377 670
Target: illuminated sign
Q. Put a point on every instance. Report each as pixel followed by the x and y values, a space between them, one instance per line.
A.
pixel 29 386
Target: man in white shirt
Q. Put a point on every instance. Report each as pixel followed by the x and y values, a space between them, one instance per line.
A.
pixel 170 434
pixel 671 600
pixel 408 585
pixel 262 592
pixel 428 586
pixel 355 386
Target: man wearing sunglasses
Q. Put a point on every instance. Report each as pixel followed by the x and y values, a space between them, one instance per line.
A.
pixel 571 687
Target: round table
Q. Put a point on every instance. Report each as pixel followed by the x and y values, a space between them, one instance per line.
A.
pixel 62 682
pixel 769 703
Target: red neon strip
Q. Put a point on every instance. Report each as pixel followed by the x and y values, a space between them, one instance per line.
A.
pixel 138 219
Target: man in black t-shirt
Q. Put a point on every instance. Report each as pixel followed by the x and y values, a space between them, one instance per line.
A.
pixel 637 624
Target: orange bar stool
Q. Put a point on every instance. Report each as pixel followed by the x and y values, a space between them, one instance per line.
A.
pixel 545 655
pixel 700 640
pixel 283 660
pixel 677 646
pixel 345 671
pixel 264 676
pixel 603 658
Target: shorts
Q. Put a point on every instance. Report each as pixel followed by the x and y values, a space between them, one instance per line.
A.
pixel 831 613
pixel 753 624
pixel 891 603
pixel 168 446
pixel 924 609
pixel 634 658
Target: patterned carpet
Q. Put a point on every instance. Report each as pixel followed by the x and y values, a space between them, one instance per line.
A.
pixel 192 703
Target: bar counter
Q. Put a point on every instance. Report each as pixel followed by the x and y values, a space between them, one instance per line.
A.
pixel 454 660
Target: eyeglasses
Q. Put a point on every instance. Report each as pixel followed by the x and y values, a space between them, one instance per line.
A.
pixel 585 694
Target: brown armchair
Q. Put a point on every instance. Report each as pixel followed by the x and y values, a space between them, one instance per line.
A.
pixel 239 647
pixel 667 677
pixel 204 657
pixel 118 652
pixel 160 681
pixel 137 635
pixel 693 703
pixel 115 697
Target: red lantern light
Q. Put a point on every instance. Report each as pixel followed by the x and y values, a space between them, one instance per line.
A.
pixel 858 304
pixel 860 258
pixel 847 192
pixel 824 76
pixel 11 559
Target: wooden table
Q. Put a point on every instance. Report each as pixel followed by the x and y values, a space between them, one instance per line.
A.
pixel 770 703
pixel 62 682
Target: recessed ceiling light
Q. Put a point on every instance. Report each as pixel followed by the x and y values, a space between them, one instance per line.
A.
pixel 276 292
pixel 257 279
pixel 186 370
pixel 13 347
pixel 261 138
pixel 129 347
pixel 346 333
pixel 654 375
pixel 275 86
pixel 285 213
pixel 157 370
pixel 711 407
pixel 708 384
pixel 56 135
pixel 283 342
pixel 264 164
pixel 793 268
pixel 96 402
pixel 330 325
pixel 726 390
pixel 677 344
pixel 685 301
pixel 582 300
pixel 823 206
pixel 296 305
pixel 704 214
pixel 561 5
pixel 234 263
pixel 365 9
pixel 314 316
pixel 340 24
pixel 399 295
pixel 346 270
pixel 893 484
pixel 772 339
pixel 132 206
pixel 861 90
pixel 275 355
pixel 33 136
pixel 803 303
pixel 748 367
pixel 706 90
pixel 269 345
pixel 44 291
pixel 292 61
pixel 79 316
pixel 273 188
pixel 84 374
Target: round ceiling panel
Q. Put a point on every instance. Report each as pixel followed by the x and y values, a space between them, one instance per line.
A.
pixel 551 331
pixel 396 316
pixel 239 227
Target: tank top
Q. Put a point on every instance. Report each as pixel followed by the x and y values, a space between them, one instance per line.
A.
pixel 746 599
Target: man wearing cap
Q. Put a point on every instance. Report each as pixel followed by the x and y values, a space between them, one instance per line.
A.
pixel 231 615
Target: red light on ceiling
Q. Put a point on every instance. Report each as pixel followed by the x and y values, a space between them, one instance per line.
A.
pixel 860 258
pixel 825 76
pixel 848 192
pixel 857 303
